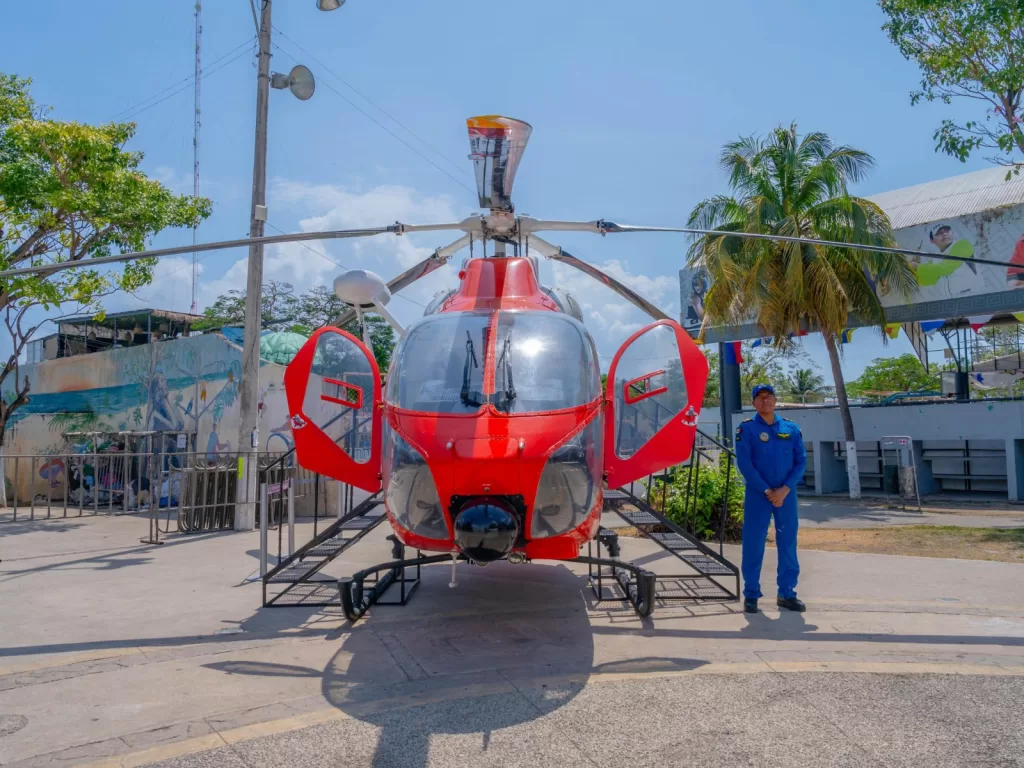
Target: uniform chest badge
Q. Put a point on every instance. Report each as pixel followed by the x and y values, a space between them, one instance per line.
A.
pixel 783 435
pixel 764 437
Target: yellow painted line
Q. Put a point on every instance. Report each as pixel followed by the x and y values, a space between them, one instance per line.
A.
pixel 330 715
pixel 222 739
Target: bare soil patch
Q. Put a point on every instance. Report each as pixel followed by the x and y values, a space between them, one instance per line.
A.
pixel 1003 544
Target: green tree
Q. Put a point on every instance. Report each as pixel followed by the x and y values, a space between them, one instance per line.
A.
pixel 70 192
pixel 319 306
pixel 796 186
pixel 894 374
pixel 967 49
pixel 281 309
pixel 804 383
pixel 762 364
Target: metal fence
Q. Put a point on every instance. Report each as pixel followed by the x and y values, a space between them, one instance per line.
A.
pixel 180 491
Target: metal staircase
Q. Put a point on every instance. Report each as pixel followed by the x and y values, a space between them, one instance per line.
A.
pixel 292 581
pixel 707 574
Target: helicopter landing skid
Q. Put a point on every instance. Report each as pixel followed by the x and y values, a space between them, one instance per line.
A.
pixel 357 597
pixel 638 584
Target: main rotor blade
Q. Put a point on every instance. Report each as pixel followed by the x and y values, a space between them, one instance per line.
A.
pixel 559 254
pixel 610 227
pixel 435 261
pixel 336 234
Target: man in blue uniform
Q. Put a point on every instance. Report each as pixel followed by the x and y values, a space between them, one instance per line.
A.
pixel 771 457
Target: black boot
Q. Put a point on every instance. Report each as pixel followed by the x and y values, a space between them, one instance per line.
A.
pixel 791 604
pixel 750 605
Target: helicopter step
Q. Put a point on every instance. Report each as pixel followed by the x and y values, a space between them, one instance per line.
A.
pixel 710 575
pixel 292 581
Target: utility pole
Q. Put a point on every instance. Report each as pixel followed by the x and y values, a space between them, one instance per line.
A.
pixel 248 431
pixel 195 145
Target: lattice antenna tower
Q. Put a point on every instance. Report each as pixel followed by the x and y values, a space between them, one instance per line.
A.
pixel 195 144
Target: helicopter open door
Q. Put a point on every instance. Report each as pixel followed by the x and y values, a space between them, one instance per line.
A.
pixel 334 397
pixel 654 392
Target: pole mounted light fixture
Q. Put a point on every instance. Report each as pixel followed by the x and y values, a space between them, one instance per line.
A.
pixel 329 5
pixel 299 81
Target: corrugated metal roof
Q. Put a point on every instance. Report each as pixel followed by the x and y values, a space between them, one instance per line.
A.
pixel 947 198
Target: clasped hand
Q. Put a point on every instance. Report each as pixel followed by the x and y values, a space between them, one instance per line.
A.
pixel 777 495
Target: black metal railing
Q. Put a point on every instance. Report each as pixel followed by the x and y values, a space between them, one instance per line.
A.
pixel 706 450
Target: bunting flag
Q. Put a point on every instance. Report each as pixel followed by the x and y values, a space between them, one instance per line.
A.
pixel 798 333
pixel 931 326
pixel 847 336
pixel 892 330
pixel 978 321
pixel 733 352
pixel 764 342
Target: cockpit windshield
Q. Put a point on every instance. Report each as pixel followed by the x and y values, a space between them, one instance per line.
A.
pixel 541 361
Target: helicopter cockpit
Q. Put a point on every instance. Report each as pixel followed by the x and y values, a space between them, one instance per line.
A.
pixel 519 362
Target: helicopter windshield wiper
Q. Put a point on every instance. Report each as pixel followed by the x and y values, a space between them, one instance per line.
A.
pixel 471 399
pixel 508 397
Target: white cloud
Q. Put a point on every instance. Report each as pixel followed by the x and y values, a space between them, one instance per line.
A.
pixel 611 318
pixel 331 207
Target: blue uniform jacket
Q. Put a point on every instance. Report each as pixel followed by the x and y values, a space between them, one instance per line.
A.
pixel 770 456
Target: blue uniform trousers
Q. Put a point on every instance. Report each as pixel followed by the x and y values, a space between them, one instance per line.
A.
pixel 757 514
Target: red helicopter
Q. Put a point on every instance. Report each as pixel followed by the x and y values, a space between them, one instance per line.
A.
pixel 492 437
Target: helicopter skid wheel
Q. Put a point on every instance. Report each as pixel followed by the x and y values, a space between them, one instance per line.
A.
pixel 351 596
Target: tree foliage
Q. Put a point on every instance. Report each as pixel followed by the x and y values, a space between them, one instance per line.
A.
pixel 762 364
pixel 70 192
pixel 284 310
pixel 967 49
pixel 894 374
pixel 804 383
pixel 280 311
pixel 796 186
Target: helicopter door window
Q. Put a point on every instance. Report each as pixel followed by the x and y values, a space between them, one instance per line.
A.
pixel 438 367
pixel 649 389
pixel 545 361
pixel 346 380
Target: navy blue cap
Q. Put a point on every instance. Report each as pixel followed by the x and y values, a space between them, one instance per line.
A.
pixel 759 388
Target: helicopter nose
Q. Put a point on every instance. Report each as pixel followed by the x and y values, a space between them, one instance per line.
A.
pixel 486 529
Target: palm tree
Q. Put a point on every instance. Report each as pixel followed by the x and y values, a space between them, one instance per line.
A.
pixel 797 186
pixel 803 382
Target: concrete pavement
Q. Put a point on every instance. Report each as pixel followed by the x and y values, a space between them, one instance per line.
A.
pixel 114 653
pixel 837 512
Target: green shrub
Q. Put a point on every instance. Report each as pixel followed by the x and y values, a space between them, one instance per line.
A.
pixel 710 493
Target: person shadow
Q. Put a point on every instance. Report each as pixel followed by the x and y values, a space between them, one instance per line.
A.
pixel 788 625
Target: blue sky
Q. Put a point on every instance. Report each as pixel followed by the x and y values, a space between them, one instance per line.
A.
pixel 629 102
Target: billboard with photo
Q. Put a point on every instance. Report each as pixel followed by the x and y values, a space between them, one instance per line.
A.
pixel 693 285
pixel 947 289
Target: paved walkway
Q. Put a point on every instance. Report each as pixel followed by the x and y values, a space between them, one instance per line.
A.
pixel 116 653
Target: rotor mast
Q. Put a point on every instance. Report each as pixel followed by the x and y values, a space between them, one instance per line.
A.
pixel 496 146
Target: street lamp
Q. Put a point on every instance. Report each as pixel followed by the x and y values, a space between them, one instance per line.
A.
pixel 329 5
pixel 300 82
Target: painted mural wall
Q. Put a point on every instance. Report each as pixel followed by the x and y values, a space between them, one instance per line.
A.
pixel 188 385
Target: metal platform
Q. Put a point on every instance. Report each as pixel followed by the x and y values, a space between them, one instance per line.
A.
pixel 709 576
pixel 296 573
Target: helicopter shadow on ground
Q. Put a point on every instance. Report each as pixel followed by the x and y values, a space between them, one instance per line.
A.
pixel 506 647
